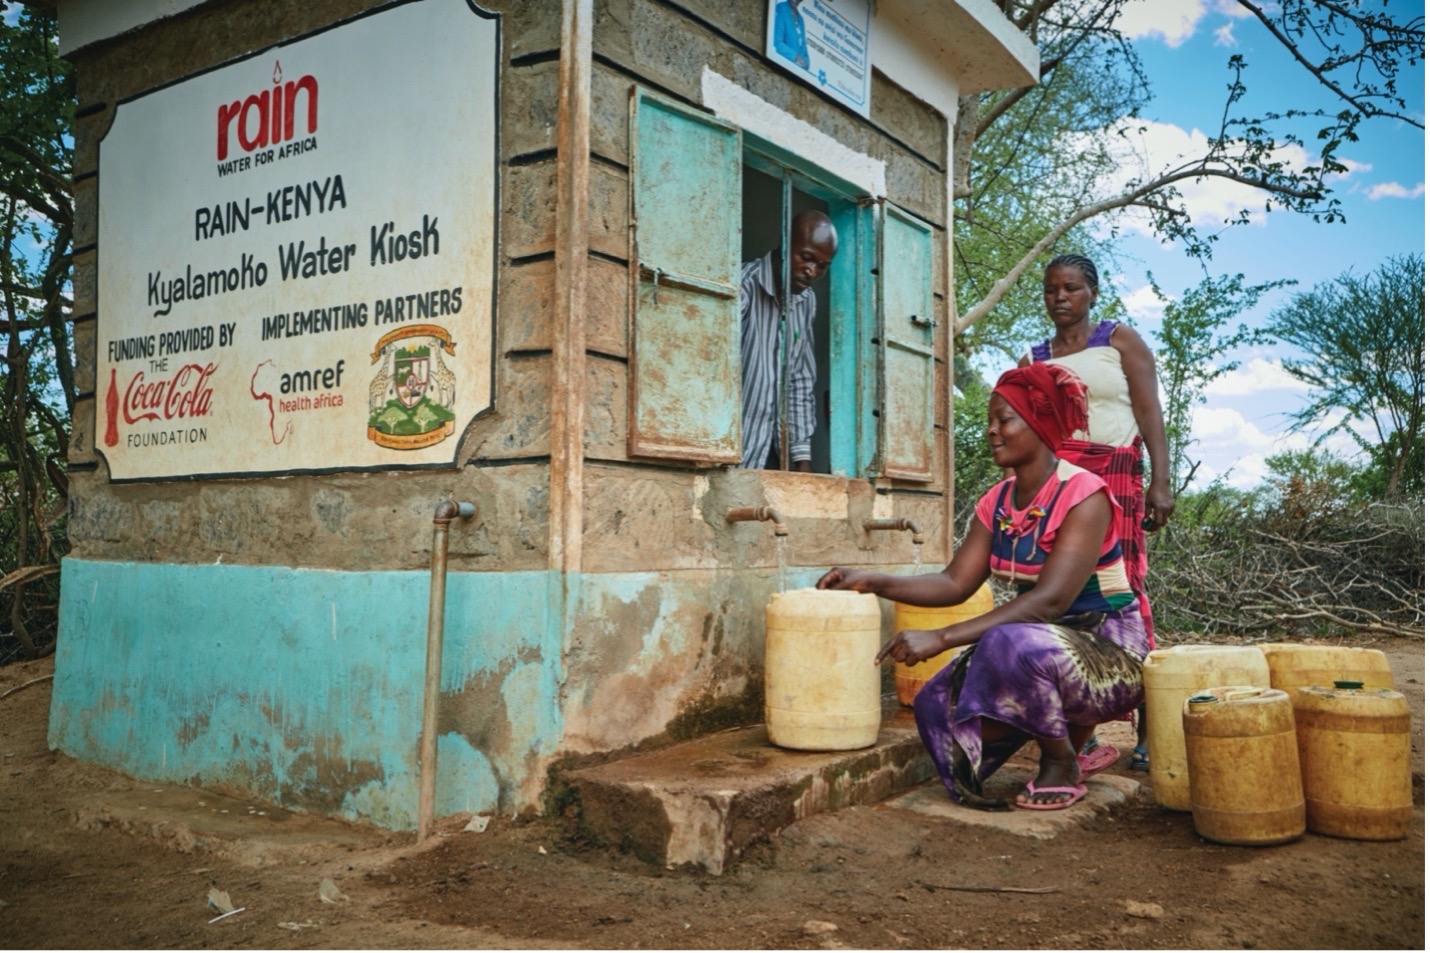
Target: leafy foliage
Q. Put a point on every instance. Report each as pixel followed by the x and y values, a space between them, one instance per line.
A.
pixel 37 375
pixel 1034 166
pixel 1194 350
pixel 1365 361
pixel 973 467
pixel 1036 158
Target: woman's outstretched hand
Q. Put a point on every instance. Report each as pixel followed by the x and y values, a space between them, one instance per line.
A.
pixel 854 580
pixel 912 645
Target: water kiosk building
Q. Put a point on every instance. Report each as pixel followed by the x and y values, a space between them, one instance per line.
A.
pixel 342 264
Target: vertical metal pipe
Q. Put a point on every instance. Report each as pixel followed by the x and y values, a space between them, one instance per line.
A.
pixel 570 305
pixel 447 511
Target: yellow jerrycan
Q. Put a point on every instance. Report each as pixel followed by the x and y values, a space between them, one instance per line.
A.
pixel 1354 744
pixel 1170 675
pixel 908 679
pixel 1293 665
pixel 1242 766
pixel 821 683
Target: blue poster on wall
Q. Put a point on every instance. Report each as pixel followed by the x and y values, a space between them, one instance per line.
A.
pixel 826 44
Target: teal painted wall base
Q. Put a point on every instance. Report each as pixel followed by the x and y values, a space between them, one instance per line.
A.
pixel 301 686
pixel 304 687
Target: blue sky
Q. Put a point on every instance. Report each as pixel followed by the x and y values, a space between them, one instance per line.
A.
pixel 1184 45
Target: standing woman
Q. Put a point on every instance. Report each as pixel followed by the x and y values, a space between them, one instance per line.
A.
pixel 1063 654
pixel 1124 413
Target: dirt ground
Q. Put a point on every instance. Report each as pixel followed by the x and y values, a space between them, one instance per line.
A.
pixel 73 876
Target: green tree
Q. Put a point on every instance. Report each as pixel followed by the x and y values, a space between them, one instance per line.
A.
pixel 1364 341
pixel 1034 167
pixel 973 467
pixel 1034 157
pixel 1302 485
pixel 37 374
pixel 1194 351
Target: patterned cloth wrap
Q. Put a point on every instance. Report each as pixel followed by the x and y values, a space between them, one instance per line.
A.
pixel 1121 469
pixel 1036 678
pixel 1119 465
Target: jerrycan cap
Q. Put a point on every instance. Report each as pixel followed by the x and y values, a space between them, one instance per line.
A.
pixel 1348 684
pixel 1202 698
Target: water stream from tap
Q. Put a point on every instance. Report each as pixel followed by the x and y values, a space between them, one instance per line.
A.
pixel 918 558
pixel 780 543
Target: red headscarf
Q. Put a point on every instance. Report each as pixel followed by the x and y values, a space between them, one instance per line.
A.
pixel 1051 399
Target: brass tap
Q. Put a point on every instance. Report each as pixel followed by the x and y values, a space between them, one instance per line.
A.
pixel 758 514
pixel 900 524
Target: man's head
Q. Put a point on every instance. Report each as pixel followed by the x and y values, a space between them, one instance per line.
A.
pixel 813 245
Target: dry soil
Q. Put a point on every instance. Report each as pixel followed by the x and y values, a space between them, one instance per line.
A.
pixel 90 858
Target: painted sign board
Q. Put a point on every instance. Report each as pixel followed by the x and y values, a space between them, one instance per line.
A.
pixel 826 44
pixel 296 254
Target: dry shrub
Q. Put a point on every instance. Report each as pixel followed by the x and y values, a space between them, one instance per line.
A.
pixel 1286 565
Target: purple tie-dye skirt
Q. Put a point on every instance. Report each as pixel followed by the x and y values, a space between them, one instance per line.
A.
pixel 1037 678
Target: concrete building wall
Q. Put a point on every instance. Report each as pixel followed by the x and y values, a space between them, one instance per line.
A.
pixel 268 634
pixel 365 521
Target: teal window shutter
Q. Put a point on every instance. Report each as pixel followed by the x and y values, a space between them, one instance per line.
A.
pixel 685 273
pixel 854 341
pixel 906 437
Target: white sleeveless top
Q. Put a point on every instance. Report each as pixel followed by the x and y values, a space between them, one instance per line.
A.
pixel 1109 402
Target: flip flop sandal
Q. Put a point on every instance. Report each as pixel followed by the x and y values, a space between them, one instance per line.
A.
pixel 1101 758
pixel 1140 760
pixel 1076 792
pixel 1090 745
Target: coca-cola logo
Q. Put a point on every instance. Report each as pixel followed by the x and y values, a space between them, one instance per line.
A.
pixel 187 393
pixel 268 117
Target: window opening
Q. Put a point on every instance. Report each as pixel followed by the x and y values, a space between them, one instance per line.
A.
pixel 772 195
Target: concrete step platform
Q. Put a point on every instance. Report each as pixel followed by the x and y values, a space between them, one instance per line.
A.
pixel 703 802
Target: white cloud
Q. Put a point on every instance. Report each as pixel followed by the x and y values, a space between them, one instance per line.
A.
pixel 1255 377
pixel 1246 473
pixel 1394 190
pixel 1175 21
pixel 1141 302
pixel 1229 445
pixel 1172 20
pixel 1223 425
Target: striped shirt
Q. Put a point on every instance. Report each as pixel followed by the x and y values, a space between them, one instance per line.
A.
pixel 760 365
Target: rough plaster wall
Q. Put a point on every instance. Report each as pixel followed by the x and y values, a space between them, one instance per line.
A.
pixel 670 47
pixel 663 655
pixel 668 636
pixel 305 687
pixel 352 522
pixel 357 521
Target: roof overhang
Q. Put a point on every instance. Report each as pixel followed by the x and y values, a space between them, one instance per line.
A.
pixel 943 49
pixel 938 49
